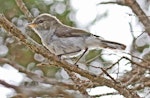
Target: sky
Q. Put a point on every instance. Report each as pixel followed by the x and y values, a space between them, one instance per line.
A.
pixel 115 27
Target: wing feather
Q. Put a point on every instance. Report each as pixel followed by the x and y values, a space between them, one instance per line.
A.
pixel 71 32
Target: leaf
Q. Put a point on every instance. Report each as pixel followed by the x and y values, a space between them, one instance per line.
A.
pixel 92 54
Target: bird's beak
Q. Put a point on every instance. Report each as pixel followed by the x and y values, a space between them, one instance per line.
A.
pixel 32 25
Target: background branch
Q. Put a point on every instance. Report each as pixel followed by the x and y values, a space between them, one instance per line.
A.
pixel 139 12
pixel 36 77
pixel 24 9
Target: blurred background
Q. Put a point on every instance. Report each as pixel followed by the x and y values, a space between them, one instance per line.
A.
pixel 111 21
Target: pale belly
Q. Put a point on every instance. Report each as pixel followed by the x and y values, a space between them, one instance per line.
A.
pixel 65 46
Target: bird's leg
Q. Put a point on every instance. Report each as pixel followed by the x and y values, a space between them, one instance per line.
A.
pixel 74 52
pixel 81 56
pixel 69 53
pixel 60 55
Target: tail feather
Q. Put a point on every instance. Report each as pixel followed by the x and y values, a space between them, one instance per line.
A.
pixel 112 45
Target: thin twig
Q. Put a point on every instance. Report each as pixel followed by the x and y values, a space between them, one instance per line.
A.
pixel 113 2
pixel 24 9
pixel 109 75
pixel 8 85
pixel 131 30
pixel 111 66
pixel 106 94
pixel 133 62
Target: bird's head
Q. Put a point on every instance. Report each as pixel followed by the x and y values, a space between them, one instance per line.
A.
pixel 44 22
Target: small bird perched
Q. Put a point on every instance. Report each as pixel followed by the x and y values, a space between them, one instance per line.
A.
pixel 62 40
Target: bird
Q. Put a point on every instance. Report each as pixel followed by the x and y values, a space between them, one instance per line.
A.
pixel 61 39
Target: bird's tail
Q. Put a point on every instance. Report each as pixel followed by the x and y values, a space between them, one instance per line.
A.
pixel 112 45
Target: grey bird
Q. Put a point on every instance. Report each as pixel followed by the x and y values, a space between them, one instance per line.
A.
pixel 61 39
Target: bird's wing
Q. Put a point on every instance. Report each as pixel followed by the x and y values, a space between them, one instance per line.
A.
pixel 71 32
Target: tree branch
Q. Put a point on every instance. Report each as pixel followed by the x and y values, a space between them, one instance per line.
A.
pixel 139 12
pixel 24 9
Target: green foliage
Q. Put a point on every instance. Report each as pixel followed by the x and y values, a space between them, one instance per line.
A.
pixel 10 8
pixel 20 54
pixel 93 54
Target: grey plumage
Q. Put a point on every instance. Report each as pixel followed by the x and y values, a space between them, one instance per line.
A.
pixel 61 39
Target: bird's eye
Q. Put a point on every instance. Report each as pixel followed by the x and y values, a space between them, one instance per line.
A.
pixel 40 21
